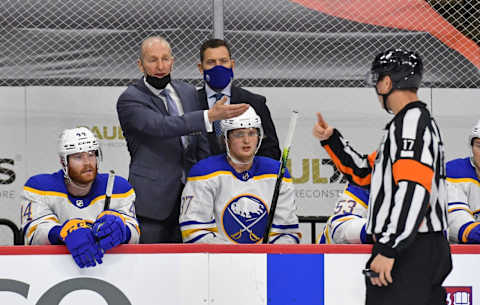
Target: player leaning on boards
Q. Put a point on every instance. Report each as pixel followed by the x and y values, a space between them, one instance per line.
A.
pixel 347 225
pixel 68 207
pixel 463 186
pixel 407 205
pixel 227 196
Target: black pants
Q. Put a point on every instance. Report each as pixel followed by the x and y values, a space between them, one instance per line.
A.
pixel 160 231
pixel 418 274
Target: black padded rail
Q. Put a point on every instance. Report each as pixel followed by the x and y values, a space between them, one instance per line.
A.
pixel 313 220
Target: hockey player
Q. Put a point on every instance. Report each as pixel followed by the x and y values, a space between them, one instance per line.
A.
pixel 68 207
pixel 463 185
pixel 347 224
pixel 227 197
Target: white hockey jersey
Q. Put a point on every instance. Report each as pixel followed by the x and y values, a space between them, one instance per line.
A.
pixel 463 189
pixel 348 219
pixel 46 203
pixel 220 205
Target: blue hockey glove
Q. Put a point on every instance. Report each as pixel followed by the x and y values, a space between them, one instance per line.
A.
pixel 110 229
pixel 470 233
pixel 80 241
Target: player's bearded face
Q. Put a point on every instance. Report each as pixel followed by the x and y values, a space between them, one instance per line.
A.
pixel 82 167
pixel 243 143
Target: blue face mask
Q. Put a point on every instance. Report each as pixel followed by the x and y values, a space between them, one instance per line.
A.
pixel 218 77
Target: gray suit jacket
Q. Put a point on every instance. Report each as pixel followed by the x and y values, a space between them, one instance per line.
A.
pixel 153 140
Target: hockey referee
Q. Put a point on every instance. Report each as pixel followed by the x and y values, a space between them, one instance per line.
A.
pixel 406 177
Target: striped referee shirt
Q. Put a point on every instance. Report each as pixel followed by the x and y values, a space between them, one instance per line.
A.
pixel 406 178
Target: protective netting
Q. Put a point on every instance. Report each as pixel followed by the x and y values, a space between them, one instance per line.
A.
pixel 274 42
pixel 94 42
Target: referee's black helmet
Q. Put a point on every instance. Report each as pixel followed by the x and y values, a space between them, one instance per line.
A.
pixel 405 68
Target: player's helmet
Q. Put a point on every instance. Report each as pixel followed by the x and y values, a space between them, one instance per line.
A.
pixel 248 119
pixel 405 68
pixel 475 133
pixel 77 140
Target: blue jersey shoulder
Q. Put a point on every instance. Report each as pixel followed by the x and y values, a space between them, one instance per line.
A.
pixel 120 185
pixel 209 165
pixel 460 168
pixel 47 182
pixel 266 165
pixel 359 192
pixel 261 166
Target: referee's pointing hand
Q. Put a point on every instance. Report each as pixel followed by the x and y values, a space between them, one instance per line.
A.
pixel 321 130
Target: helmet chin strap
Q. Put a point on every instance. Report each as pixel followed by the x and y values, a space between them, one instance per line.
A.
pixel 384 99
pixel 236 161
pixel 477 168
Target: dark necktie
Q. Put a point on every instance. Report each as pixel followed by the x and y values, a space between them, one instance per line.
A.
pixel 172 110
pixel 172 107
pixel 216 124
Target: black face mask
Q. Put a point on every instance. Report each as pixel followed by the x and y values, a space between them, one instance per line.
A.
pixel 157 82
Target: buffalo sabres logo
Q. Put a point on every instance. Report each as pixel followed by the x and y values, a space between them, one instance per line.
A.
pixel 244 219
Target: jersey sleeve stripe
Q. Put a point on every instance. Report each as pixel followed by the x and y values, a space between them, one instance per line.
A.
pixel 31 230
pixel 191 241
pixel 412 170
pixel 338 217
pixel 294 226
pixel 269 176
pixel 44 193
pixel 265 176
pixel 297 240
pixel 467 231
pixel 460 209
pixel 343 221
pixel 206 177
pixel 347 170
pixel 458 203
pixel 116 196
pixel 187 233
pixel 123 195
pixel 193 222
pixel 463 180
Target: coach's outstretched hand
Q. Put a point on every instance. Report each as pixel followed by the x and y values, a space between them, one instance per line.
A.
pixel 78 237
pixel 321 130
pixel 222 111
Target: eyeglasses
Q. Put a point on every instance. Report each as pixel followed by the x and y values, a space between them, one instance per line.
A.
pixel 242 134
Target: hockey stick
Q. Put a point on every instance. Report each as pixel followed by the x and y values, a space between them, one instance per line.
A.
pixel 281 173
pixel 108 192
pixel 108 196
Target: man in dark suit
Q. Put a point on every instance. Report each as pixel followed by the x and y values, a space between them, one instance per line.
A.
pixel 216 66
pixel 165 132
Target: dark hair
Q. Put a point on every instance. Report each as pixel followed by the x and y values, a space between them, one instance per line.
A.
pixel 212 44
